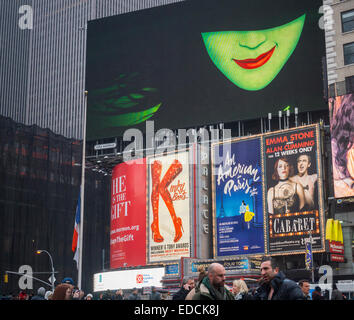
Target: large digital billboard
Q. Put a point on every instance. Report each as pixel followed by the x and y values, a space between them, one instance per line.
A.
pixel 341 110
pixel 238 198
pixel 202 62
pixel 293 192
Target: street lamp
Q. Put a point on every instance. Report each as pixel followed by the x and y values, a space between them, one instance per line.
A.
pixel 51 261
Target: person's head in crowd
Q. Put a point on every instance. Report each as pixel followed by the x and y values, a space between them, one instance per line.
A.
pixel 269 269
pixel 48 295
pixel 216 275
pixel 63 291
pixel 305 286
pixel 239 286
pixel 89 297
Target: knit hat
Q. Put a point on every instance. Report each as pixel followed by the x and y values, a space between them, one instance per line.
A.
pixel 47 294
pixel 68 280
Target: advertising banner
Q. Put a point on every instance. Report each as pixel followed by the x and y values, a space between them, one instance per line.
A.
pixel 169 207
pixel 293 182
pixel 334 236
pixel 128 215
pixel 128 279
pixel 341 111
pixel 237 198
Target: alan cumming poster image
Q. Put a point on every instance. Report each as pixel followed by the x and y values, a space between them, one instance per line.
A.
pixel 293 182
pixel 237 198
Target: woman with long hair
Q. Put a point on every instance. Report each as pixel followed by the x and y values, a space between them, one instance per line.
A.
pixel 63 291
pixel 286 196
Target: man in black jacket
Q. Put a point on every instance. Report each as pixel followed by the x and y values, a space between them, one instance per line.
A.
pixel 187 286
pixel 274 285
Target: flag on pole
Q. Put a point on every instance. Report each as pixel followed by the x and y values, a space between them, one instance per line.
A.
pixel 76 244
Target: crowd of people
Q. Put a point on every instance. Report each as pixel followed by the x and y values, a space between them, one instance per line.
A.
pixel 210 285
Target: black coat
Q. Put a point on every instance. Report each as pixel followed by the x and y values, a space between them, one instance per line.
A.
pixel 284 289
pixel 181 294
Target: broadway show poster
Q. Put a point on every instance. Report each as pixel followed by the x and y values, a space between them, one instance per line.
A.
pixel 128 215
pixel 169 207
pixel 237 198
pixel 293 183
pixel 341 111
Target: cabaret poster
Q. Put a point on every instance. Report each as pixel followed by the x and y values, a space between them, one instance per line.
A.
pixel 169 207
pixel 237 198
pixel 293 182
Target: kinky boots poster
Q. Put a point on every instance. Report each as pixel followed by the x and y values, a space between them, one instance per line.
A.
pixel 293 180
pixel 169 207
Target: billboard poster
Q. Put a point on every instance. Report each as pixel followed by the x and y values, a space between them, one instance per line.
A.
pixel 238 198
pixel 260 55
pixel 293 182
pixel 341 111
pixel 128 215
pixel 169 199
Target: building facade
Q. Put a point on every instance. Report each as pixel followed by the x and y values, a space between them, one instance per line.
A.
pixel 43 50
pixel 339 31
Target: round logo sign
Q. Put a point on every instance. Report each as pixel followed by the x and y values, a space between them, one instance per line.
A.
pixel 139 278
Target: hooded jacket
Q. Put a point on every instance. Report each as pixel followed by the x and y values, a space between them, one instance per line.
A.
pixel 284 289
pixel 40 294
pixel 204 291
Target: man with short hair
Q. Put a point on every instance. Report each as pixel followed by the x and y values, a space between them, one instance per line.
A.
pixel 212 287
pixel 274 284
pixel 307 180
pixel 187 286
pixel 305 288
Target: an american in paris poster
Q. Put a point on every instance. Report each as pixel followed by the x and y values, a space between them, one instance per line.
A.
pixel 238 207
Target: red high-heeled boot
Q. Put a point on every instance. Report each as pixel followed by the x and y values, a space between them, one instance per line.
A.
pixel 173 171
pixel 156 168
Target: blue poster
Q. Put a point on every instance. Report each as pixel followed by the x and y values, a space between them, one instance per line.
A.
pixel 238 194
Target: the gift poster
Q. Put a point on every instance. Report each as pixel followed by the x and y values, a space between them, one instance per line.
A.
pixel 293 183
pixel 237 195
pixel 341 111
pixel 169 207
pixel 128 214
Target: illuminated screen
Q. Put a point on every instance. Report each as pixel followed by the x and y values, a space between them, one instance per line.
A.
pixel 203 62
pixel 342 141
pixel 128 279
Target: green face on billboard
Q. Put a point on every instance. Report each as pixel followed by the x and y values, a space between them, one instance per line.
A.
pixel 252 59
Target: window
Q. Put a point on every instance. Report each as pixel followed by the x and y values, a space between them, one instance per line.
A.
pixel 347 21
pixel 348 50
pixel 349 84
